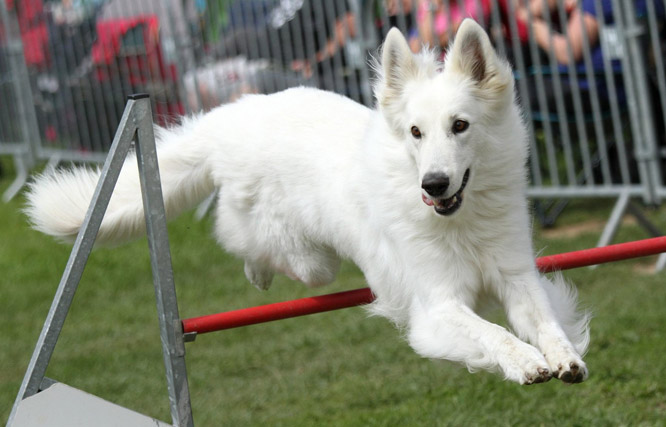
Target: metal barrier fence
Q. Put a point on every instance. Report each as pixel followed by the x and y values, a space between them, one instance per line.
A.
pixel 590 78
pixel 17 125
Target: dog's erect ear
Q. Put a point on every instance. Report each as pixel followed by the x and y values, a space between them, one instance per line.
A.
pixel 397 59
pixel 468 50
pixel 398 67
pixel 474 56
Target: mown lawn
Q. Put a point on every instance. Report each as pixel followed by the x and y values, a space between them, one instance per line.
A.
pixel 338 368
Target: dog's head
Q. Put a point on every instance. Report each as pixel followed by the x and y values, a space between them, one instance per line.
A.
pixel 444 116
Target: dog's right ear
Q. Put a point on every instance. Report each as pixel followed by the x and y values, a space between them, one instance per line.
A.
pixel 397 59
pixel 398 66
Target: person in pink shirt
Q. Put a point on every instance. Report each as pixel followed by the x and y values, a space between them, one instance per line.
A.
pixel 438 20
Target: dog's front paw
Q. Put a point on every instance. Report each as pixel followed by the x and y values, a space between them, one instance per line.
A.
pixel 540 376
pixel 525 365
pixel 572 372
pixel 567 366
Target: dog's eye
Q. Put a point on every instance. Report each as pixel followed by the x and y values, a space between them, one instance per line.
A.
pixel 459 126
pixel 416 133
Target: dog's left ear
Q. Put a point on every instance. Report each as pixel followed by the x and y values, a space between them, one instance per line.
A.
pixel 474 56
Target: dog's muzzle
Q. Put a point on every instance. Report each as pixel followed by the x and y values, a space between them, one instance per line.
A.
pixel 435 186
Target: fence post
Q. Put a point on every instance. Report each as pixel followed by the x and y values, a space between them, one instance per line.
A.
pixel 646 148
pixel 23 150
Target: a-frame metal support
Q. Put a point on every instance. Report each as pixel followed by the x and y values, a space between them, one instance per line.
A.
pixel 135 124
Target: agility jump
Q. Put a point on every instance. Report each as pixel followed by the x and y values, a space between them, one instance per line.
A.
pixel 346 299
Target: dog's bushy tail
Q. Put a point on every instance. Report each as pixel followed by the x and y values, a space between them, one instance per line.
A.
pixel 563 297
pixel 58 200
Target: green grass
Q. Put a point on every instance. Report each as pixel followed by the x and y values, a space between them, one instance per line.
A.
pixel 338 368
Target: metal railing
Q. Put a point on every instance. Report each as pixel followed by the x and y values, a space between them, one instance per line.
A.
pixel 17 121
pixel 595 109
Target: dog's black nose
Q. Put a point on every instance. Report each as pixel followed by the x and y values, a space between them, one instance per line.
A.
pixel 435 183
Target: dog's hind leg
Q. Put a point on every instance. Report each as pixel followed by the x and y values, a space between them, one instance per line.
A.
pixel 313 265
pixel 260 275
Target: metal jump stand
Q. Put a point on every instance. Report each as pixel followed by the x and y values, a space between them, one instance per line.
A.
pixel 135 124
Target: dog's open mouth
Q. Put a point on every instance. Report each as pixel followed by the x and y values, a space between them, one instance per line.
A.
pixel 452 204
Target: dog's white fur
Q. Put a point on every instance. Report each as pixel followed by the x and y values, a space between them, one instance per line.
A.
pixel 308 177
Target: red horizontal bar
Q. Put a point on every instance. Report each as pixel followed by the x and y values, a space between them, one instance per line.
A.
pixel 322 303
pixel 277 311
pixel 602 255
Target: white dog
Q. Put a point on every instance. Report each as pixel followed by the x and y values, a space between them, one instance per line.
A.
pixel 426 195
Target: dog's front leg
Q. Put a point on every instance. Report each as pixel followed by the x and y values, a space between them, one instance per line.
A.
pixel 451 330
pixel 545 313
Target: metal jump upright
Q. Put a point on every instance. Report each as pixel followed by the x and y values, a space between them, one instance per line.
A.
pixel 136 124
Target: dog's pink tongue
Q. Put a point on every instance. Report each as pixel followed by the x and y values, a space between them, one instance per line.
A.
pixel 427 201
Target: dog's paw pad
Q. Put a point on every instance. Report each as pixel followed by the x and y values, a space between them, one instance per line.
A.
pixel 574 373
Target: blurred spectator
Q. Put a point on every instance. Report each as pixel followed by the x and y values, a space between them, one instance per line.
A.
pixel 32 25
pixel 264 46
pixel 72 32
pixel 581 21
pixel 400 14
pixel 311 33
pixel 322 30
pixel 244 29
pixel 566 39
pixel 438 20
pixel 319 32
